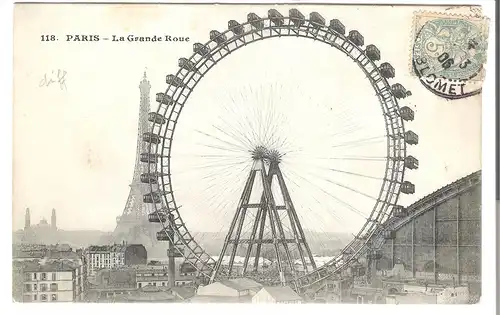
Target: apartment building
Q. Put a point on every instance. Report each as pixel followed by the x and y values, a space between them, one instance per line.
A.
pixel 60 281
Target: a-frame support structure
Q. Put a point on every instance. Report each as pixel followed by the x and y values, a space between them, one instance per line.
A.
pixel 287 240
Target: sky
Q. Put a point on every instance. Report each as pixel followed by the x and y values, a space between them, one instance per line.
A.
pixel 74 147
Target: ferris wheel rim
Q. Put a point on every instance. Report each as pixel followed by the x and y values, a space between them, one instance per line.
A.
pixel 218 47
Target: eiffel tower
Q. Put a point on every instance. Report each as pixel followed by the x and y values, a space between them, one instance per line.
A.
pixel 133 226
pixel 285 237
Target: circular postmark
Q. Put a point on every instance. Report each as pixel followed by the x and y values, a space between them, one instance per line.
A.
pixel 448 57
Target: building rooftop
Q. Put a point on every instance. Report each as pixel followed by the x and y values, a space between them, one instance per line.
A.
pixel 474 177
pixel 147 294
pixel 115 278
pixel 62 255
pixel 49 267
pixel 246 283
pixel 231 285
pixel 60 247
pixel 107 248
pixel 183 293
pixel 282 294
pixel 28 254
pixel 241 284
pixel 44 253
pixel 28 247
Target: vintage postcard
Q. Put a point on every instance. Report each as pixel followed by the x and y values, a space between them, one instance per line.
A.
pixel 248 153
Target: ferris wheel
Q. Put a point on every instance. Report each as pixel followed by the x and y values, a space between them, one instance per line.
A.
pixel 164 121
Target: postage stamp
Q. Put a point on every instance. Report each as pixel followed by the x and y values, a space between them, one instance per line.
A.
pixel 449 53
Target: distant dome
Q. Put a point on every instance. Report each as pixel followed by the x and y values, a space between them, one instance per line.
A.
pixel 43 223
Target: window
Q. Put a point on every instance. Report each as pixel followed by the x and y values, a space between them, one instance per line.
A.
pixel 53 287
pixel 43 298
pixel 34 276
pixel 140 285
pixel 54 276
pixel 35 287
pixel 27 277
pixel 53 297
pixel 43 287
pixel 27 287
pixel 154 284
pixel 44 276
pixel 35 297
pixel 163 284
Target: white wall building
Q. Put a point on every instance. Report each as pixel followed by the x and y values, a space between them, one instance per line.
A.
pixel 151 275
pixel 52 282
pixel 220 289
pixel 456 295
pixel 422 295
pixel 156 274
pixel 233 290
pixel 104 257
pixel 277 295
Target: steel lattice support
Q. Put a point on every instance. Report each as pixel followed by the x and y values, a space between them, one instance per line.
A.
pixel 300 238
pixel 266 210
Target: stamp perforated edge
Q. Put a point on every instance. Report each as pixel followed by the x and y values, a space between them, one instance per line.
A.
pixel 446 14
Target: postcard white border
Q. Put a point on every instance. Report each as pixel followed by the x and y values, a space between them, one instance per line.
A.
pixel 488 299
